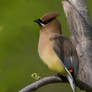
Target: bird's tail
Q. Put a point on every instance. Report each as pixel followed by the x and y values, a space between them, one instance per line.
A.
pixel 72 82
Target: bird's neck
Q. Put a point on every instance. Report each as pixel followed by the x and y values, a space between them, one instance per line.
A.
pixel 50 31
pixel 47 33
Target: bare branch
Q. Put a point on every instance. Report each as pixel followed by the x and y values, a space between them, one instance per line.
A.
pixel 54 79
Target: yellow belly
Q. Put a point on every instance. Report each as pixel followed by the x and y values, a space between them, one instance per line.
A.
pixel 50 58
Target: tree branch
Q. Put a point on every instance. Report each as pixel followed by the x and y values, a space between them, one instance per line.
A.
pixel 77 15
pixel 54 79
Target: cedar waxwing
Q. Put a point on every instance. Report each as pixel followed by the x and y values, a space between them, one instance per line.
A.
pixel 57 51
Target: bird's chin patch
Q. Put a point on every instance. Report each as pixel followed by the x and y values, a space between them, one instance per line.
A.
pixel 42 25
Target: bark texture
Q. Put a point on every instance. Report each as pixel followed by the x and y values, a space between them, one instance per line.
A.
pixel 81 35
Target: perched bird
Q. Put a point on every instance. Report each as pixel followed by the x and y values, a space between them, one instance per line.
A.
pixel 57 51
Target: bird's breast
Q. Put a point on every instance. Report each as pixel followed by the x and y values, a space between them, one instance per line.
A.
pixel 50 58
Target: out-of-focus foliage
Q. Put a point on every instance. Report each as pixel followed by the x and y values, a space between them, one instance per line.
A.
pixel 18 43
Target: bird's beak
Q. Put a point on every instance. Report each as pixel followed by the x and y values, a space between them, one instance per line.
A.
pixel 37 21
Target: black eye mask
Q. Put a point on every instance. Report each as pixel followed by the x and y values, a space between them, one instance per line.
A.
pixel 41 23
pixel 46 22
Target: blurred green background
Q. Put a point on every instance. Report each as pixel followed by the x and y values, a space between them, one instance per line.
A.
pixel 19 58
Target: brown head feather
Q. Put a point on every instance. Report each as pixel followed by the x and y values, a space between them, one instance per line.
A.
pixel 49 15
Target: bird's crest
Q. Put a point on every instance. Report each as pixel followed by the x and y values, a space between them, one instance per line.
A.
pixel 49 16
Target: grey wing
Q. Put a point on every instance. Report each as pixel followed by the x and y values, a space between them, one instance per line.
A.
pixel 68 56
pixel 66 52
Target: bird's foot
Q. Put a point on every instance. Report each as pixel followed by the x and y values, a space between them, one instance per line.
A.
pixel 64 78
